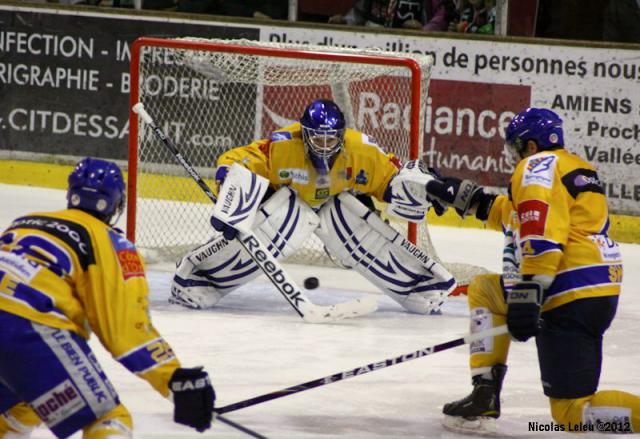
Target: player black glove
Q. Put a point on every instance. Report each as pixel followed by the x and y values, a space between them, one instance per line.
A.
pixel 461 195
pixel 523 310
pixel 438 207
pixel 193 398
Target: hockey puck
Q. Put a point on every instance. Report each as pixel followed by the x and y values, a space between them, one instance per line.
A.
pixel 311 283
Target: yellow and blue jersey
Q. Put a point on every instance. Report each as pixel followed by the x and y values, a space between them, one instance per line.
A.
pixel 69 270
pixel 562 223
pixel 361 166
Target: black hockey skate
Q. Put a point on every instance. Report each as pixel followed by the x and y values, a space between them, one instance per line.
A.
pixel 477 412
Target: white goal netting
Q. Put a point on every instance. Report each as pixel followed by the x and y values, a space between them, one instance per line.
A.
pixel 212 95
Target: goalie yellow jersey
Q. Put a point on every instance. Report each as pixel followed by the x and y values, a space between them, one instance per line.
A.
pixel 562 222
pixel 70 270
pixel 361 166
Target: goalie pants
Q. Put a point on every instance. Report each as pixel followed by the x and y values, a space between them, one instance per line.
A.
pixel 51 375
pixel 569 354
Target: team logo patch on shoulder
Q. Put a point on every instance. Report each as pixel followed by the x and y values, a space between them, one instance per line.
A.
pixel 532 215
pixel 540 171
pixel 280 135
pixel 362 178
pixel 127 255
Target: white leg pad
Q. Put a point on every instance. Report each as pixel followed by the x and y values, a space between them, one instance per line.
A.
pixel 211 271
pixel 359 238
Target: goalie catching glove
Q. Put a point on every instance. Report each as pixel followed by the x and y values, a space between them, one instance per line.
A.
pixel 407 192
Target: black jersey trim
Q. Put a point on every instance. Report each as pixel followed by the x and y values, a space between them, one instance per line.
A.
pixel 582 180
pixel 73 234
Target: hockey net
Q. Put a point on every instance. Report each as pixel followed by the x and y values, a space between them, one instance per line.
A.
pixel 212 95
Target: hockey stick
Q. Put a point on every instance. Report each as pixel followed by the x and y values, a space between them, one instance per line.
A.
pixel 371 367
pixel 239 427
pixel 284 283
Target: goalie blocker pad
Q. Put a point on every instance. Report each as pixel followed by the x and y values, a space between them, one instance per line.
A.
pixel 211 271
pixel 239 198
pixel 357 237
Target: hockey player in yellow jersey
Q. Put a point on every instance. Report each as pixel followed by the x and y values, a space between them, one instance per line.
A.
pixel 560 284
pixel 319 174
pixel 64 275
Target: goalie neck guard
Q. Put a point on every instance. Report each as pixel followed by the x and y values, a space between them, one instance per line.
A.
pixel 323 129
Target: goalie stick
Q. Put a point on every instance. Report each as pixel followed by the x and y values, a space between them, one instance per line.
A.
pixel 284 283
pixel 371 367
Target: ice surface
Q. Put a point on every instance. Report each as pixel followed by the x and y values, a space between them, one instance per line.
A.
pixel 253 343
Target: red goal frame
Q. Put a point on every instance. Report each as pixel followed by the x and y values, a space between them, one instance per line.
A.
pixel 381 59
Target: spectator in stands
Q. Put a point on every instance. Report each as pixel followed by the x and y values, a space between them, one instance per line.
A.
pixel 200 6
pixel 621 21
pixel 263 9
pixel 76 2
pixel 134 4
pixel 428 15
pixel 475 16
pixel 571 19
pixel 276 9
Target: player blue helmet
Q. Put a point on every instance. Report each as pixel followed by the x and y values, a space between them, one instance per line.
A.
pixel 323 129
pixel 538 124
pixel 96 186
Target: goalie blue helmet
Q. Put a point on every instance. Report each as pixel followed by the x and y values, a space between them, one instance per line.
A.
pixel 538 124
pixel 323 128
pixel 96 186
